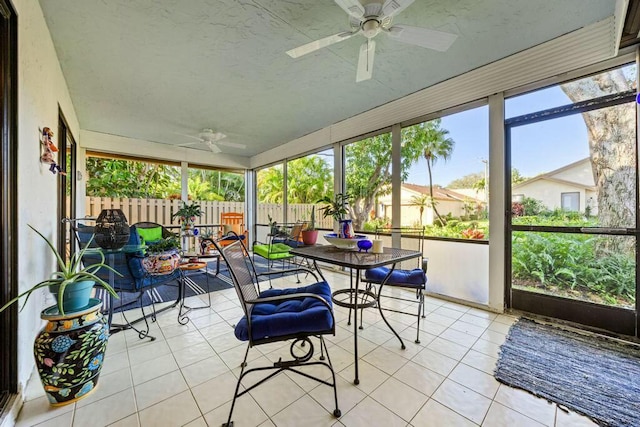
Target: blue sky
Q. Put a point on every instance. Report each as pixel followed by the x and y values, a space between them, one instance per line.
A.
pixel 536 148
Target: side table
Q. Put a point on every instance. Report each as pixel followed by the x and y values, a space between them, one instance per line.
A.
pixel 194 262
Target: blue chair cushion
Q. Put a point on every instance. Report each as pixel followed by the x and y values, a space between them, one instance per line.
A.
pixel 289 317
pixel 134 275
pixel 415 278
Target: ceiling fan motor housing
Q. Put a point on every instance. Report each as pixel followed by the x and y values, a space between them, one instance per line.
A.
pixel 371 28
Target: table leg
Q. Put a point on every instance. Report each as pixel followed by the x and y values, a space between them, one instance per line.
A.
pixel 386 278
pixel 356 381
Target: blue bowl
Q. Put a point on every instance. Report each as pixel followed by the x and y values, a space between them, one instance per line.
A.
pixel 365 245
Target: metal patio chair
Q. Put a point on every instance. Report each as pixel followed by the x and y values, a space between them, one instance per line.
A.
pixel 293 314
pixel 414 280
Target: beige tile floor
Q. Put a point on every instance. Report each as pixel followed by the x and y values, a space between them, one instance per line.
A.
pixel 188 374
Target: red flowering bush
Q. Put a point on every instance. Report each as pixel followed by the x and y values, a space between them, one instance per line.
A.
pixel 517 209
pixel 472 233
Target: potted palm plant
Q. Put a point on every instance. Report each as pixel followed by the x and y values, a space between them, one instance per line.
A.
pixel 70 349
pixel 336 208
pixel 310 234
pixel 187 215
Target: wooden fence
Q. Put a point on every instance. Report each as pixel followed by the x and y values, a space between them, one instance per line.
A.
pixel 160 210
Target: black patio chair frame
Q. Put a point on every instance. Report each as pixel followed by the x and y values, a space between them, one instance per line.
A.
pixel 134 280
pixel 419 289
pixel 245 280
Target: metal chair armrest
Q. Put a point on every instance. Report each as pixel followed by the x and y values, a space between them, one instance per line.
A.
pixel 289 270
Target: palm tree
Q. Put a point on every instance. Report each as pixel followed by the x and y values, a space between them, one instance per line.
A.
pixel 421 201
pixel 436 145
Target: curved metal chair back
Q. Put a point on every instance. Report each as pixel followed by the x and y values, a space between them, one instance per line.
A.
pixel 242 271
pixel 413 280
pixel 277 315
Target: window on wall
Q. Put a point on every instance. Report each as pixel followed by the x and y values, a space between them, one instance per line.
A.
pixel 367 178
pixel 270 194
pixel 144 190
pixel 445 188
pixel 309 178
pixel 570 201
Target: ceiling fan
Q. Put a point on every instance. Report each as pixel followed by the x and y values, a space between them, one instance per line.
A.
pixel 369 20
pixel 212 140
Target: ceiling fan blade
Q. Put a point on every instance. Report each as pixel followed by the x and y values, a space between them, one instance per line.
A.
pixel 231 144
pixel 188 136
pixel 352 7
pixel 393 7
pixel 187 144
pixel 423 37
pixel 365 61
pixel 214 148
pixel 319 44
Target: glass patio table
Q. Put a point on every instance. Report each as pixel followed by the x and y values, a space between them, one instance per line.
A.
pixel 354 297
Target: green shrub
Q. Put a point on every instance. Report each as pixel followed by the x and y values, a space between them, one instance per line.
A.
pixel 376 223
pixel 532 206
pixel 569 262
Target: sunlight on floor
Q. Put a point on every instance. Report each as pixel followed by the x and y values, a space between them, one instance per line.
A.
pixel 188 374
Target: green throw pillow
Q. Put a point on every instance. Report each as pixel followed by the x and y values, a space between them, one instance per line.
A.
pixel 149 235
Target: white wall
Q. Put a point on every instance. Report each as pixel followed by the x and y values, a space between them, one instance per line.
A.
pixel 41 89
pixel 581 173
pixel 549 192
pixel 458 270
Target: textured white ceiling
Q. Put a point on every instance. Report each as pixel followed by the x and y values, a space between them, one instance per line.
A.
pixel 154 69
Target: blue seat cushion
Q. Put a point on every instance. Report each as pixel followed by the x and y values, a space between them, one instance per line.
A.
pixel 415 278
pixel 288 317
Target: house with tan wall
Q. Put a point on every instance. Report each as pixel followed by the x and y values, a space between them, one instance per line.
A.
pixel 571 187
pixel 447 202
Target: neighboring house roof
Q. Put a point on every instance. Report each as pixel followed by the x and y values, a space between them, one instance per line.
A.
pixel 551 176
pixel 439 193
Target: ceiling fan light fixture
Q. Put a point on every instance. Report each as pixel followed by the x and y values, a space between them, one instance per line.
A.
pixel 210 135
pixel 371 18
pixel 370 28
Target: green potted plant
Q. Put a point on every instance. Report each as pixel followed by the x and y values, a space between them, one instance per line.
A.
pixel 336 208
pixel 72 283
pixel 187 215
pixel 70 349
pixel 162 255
pixel 310 234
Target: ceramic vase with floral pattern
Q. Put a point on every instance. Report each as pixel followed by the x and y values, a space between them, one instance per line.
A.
pixel 69 352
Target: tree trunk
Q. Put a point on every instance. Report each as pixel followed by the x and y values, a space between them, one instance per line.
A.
pixel 360 209
pixel 433 202
pixel 612 140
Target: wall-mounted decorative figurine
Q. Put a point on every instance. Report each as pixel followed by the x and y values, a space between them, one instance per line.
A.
pixel 48 148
